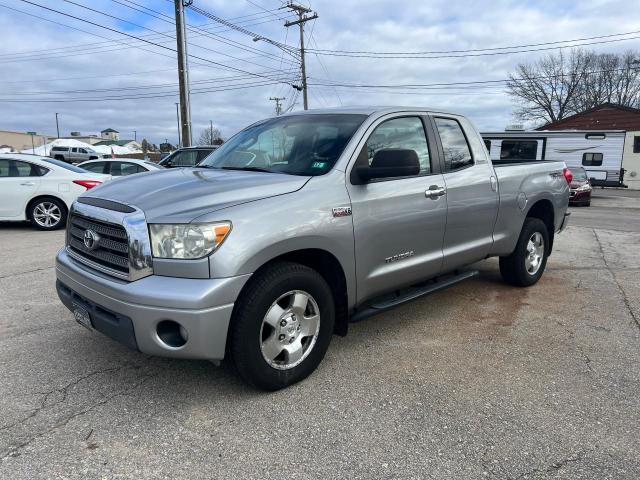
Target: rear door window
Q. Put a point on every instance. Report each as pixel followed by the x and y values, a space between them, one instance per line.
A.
pixel 457 153
pixel 97 167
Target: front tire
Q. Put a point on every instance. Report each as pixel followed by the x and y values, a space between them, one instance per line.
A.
pixel 47 214
pixel 282 325
pixel 526 264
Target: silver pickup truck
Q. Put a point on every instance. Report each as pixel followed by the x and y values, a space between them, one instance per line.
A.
pixel 296 226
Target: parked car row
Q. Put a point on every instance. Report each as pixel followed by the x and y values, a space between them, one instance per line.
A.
pixel 42 189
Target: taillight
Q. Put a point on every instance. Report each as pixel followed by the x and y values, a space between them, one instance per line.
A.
pixel 88 184
pixel 568 176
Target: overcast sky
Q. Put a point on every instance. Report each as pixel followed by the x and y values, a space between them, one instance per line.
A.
pixel 43 60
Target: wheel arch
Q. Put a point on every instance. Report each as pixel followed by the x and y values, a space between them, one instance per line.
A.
pixel 329 267
pixel 543 210
pixel 27 210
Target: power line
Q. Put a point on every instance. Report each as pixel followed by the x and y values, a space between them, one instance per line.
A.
pixel 155 31
pixel 136 97
pixel 219 38
pixel 255 36
pixel 466 55
pixel 99 45
pixel 142 39
pixel 437 52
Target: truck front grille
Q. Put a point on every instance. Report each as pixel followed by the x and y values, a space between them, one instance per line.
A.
pixel 110 250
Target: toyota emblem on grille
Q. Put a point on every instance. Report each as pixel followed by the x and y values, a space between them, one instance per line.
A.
pixel 91 239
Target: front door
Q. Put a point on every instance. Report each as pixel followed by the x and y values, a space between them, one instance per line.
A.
pixel 398 228
pixel 18 183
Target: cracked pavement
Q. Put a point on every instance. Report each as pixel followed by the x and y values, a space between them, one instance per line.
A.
pixel 479 381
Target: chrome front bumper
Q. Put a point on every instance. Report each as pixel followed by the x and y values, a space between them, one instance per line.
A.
pixel 202 307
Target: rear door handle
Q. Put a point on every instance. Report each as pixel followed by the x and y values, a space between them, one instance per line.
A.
pixel 435 191
pixel 27 184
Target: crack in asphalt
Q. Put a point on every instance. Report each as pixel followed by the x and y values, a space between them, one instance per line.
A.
pixel 12 450
pixel 572 334
pixel 625 299
pixel 554 466
pixel 25 273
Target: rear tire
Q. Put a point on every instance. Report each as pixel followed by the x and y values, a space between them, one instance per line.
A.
pixel 47 213
pixel 526 264
pixel 282 325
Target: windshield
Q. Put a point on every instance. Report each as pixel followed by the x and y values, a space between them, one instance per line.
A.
pixel 296 145
pixel 579 174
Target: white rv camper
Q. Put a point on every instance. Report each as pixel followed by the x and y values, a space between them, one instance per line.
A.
pixel 598 152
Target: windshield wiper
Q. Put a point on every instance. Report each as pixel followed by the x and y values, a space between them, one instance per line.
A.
pixel 250 169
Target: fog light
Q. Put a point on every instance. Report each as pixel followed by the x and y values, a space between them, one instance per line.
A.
pixel 172 333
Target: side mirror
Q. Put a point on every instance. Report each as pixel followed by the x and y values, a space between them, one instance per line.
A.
pixel 390 163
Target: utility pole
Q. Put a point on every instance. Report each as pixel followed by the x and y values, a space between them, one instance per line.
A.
pixel 183 71
pixel 302 19
pixel 178 118
pixel 57 127
pixel 211 132
pixel 135 135
pixel 278 101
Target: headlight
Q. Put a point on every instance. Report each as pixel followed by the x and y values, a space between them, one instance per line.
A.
pixel 187 241
pixel 583 188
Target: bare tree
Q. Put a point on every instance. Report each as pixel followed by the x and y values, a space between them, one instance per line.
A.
pixel 562 84
pixel 616 79
pixel 546 90
pixel 210 136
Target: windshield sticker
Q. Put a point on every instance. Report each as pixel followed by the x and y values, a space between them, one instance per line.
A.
pixel 319 164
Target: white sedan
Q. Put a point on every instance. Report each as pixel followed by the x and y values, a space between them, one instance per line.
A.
pixel 119 167
pixel 41 189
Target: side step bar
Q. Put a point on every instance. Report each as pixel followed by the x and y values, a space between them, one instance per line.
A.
pixel 390 301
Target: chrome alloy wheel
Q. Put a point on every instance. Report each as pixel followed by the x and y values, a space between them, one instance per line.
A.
pixel 535 253
pixel 47 214
pixel 290 330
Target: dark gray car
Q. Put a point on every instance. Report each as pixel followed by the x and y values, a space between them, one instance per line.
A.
pixel 296 226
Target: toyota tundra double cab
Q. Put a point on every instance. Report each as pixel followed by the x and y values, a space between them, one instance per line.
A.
pixel 298 225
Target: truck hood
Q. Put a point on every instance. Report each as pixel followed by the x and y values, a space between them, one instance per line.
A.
pixel 179 195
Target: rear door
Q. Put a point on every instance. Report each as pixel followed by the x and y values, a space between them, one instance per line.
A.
pixel 398 228
pixel 471 192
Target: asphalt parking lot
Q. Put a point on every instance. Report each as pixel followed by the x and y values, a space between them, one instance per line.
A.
pixel 479 381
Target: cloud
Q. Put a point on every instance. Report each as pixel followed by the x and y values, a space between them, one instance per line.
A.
pixel 403 25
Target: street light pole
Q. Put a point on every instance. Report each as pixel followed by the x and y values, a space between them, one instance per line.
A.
pixel 57 127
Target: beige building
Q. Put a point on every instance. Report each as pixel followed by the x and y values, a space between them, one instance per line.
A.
pixel 110 134
pixel 22 140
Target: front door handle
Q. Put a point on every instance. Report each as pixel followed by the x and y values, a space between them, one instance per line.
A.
pixel 435 191
pixel 27 184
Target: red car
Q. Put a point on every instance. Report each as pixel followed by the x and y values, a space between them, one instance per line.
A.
pixel 580 188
